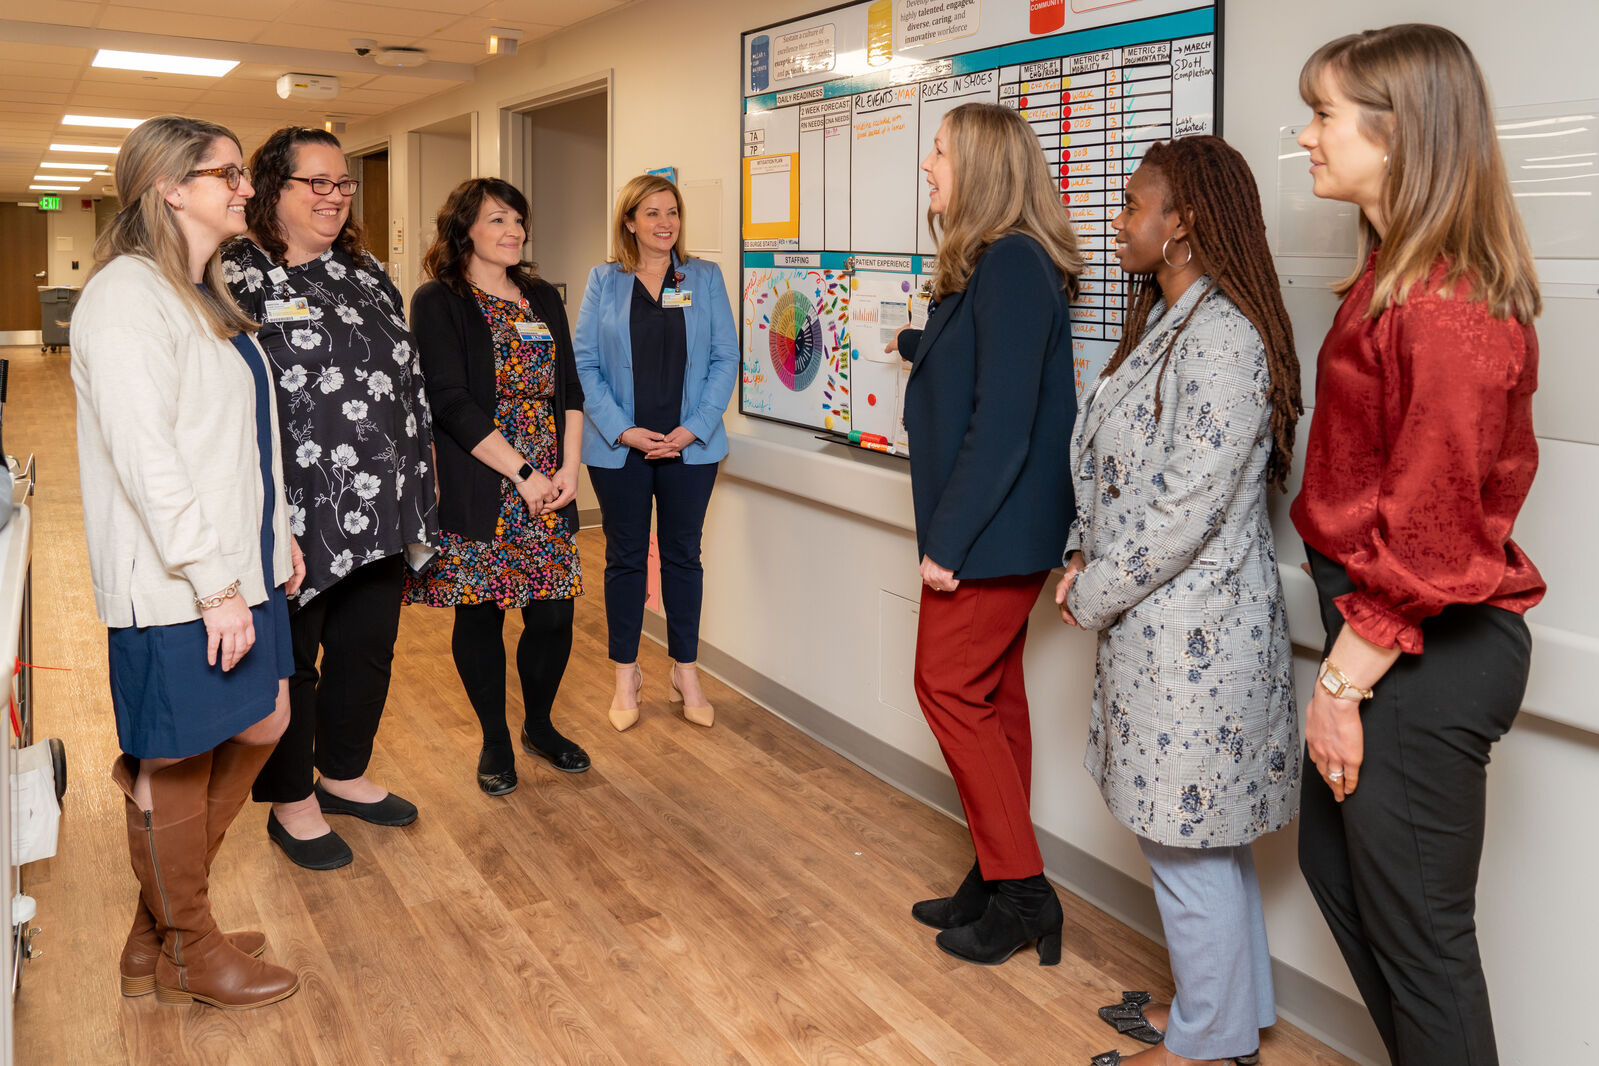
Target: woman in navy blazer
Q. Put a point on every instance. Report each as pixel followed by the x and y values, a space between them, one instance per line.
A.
pixel 989 410
pixel 657 355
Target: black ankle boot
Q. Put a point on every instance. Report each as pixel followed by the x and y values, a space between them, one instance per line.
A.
pixel 964 907
pixel 1020 912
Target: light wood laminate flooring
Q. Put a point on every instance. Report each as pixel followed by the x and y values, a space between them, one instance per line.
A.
pixel 734 895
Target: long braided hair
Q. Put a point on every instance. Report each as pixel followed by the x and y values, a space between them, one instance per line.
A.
pixel 1211 186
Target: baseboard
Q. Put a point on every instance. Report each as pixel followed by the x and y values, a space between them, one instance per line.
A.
pixel 1325 1013
pixel 589 518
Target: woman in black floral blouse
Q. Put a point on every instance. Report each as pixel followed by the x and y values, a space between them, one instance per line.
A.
pixel 358 465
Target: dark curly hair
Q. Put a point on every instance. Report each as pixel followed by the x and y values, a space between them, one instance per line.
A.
pixel 446 259
pixel 270 168
pixel 1210 184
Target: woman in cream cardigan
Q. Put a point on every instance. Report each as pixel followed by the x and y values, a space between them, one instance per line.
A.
pixel 189 547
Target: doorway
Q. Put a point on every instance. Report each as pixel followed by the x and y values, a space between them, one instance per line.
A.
pixel 24 266
pixel 557 151
pixel 372 169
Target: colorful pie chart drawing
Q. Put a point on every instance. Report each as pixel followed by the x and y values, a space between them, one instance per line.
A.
pixel 796 341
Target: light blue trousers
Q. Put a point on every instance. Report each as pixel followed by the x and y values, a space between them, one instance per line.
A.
pixel 1215 927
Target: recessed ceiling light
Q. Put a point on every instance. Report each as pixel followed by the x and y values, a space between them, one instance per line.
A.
pixel 61 177
pixel 54 165
pixel 100 120
pixel 163 64
pixel 105 149
pixel 54 188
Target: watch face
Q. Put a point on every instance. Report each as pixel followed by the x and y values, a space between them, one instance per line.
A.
pixel 1330 683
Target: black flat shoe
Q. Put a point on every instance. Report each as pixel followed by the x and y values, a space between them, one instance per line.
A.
pixel 573 760
pixel 498 784
pixel 1114 1058
pixel 963 908
pixel 390 810
pixel 1021 912
pixel 326 852
pixel 1127 1018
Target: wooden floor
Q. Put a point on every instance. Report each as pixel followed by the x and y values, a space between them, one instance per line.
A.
pixel 736 895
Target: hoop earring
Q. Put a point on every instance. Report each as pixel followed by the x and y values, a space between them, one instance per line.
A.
pixel 1168 262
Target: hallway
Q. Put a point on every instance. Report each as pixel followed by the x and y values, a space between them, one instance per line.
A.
pixel 736 895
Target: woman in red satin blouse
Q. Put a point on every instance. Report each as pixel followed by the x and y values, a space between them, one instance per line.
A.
pixel 1421 453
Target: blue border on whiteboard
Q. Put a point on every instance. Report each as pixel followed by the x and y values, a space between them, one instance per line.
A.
pixel 1079 42
pixel 832 261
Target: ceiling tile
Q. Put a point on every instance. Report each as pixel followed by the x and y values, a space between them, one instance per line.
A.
pixel 546 12
pixel 56 12
pixel 208 27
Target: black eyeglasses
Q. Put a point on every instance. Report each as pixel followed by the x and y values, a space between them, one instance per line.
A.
pixel 323 186
pixel 230 174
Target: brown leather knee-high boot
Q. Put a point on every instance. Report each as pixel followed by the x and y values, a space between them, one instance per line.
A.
pixel 168 851
pixel 143 946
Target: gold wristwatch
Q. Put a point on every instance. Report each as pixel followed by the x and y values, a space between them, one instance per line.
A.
pixel 1339 686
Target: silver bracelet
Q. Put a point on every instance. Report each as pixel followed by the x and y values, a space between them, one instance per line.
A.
pixel 205 603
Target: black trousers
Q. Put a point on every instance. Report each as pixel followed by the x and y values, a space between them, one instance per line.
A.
pixel 680 492
pixel 334 712
pixel 478 646
pixel 1394 867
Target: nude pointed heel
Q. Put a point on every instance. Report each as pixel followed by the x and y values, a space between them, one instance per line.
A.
pixel 701 714
pixel 623 718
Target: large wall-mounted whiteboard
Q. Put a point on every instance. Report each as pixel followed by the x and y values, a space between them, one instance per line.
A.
pixel 839 109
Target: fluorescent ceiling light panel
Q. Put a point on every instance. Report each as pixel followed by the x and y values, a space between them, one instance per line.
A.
pixel 50 164
pixel 105 149
pixel 163 64
pixel 53 188
pixel 60 177
pixel 101 120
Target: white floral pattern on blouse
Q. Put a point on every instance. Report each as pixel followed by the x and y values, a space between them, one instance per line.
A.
pixel 357 440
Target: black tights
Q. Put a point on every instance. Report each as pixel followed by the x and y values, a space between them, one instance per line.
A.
pixel 478 646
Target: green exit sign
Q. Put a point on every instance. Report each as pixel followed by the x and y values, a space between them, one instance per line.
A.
pixel 50 202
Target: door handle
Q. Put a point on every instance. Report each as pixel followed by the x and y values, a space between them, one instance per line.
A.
pixel 41 274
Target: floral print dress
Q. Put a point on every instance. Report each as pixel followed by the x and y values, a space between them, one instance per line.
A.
pixel 530 558
pixel 357 434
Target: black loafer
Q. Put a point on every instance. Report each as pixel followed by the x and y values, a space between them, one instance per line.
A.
pixel 326 852
pixel 390 810
pixel 573 760
pixel 498 784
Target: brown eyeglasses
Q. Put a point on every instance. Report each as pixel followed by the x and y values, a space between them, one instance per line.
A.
pixel 323 186
pixel 230 174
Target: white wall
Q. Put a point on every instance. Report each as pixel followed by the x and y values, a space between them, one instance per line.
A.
pixel 817 597
pixel 69 235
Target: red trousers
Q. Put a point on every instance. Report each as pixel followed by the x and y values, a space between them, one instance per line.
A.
pixel 969 680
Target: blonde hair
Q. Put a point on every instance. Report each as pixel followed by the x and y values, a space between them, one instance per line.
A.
pixel 624 245
pixel 1002 186
pixel 1422 96
pixel 158 155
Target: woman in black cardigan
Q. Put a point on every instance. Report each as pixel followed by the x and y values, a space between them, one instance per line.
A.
pixel 508 419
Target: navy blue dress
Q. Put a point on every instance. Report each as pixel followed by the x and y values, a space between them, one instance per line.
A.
pixel 169 703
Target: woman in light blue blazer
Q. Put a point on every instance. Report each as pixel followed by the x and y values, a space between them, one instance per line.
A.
pixel 1194 736
pixel 657 354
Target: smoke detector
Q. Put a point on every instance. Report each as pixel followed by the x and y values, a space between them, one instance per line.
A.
pixel 400 57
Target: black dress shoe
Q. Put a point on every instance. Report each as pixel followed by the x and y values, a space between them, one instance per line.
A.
pixel 963 908
pixel 326 852
pixel 1114 1058
pixel 390 810
pixel 572 760
pixel 1127 1018
pixel 1022 911
pixel 498 784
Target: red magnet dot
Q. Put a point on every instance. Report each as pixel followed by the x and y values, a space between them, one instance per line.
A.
pixel 1066 112
pixel 1065 168
pixel 1024 101
pixel 871 399
pixel 1066 125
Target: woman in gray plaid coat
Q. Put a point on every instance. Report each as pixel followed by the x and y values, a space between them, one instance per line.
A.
pixel 1194 736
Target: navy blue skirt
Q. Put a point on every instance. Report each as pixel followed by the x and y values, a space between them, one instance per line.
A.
pixel 171 705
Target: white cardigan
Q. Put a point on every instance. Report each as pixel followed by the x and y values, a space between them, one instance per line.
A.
pixel 167 456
